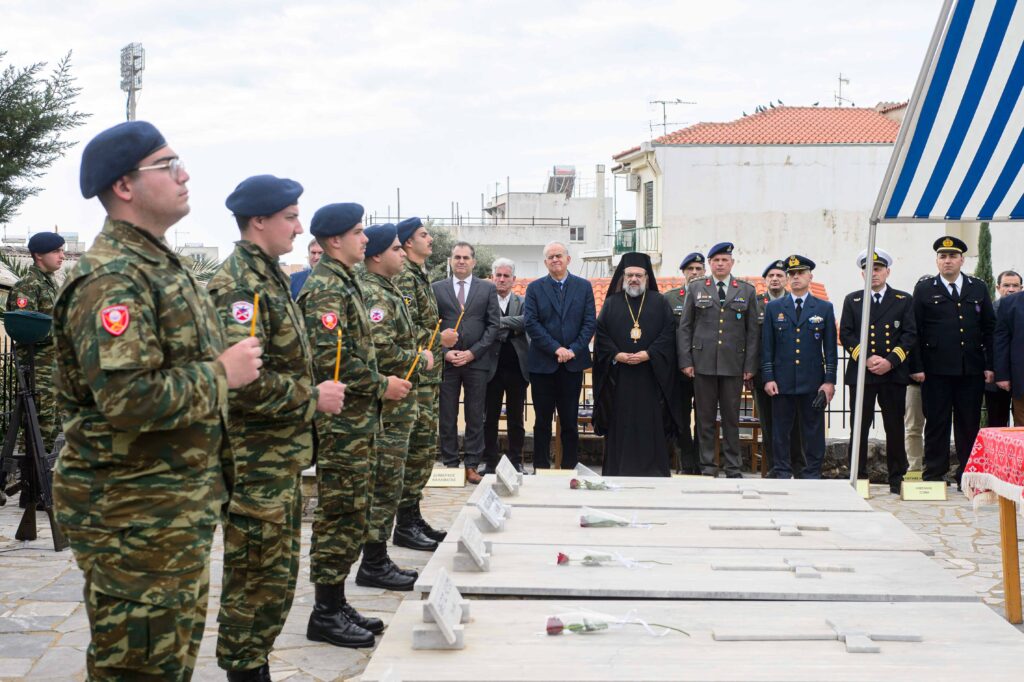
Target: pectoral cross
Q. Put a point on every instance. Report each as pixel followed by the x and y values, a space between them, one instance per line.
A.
pixel 785 528
pixel 800 568
pixel 858 641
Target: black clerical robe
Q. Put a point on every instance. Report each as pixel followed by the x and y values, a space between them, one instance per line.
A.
pixel 636 407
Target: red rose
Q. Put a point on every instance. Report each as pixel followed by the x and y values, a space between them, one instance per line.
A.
pixel 562 559
pixel 574 484
pixel 555 625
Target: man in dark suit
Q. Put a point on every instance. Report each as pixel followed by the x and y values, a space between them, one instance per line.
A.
pixel 560 319
pixel 954 359
pixel 297 279
pixel 1009 352
pixel 997 400
pixel 892 335
pixel 470 306
pixel 509 375
pixel 799 358
pixel 716 345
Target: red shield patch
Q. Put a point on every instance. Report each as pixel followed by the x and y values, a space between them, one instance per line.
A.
pixel 22 302
pixel 329 320
pixel 115 319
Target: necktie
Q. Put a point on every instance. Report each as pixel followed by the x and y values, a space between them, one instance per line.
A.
pixel 952 288
pixel 799 307
pixel 878 299
pixel 561 291
pixel 721 293
pixel 462 293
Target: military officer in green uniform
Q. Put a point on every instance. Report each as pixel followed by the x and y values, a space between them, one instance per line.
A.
pixel 332 303
pixel 411 529
pixel 687 445
pixel 271 427
pixel 142 378
pixel 394 338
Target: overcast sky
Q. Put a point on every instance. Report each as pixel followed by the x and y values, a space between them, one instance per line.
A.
pixel 440 98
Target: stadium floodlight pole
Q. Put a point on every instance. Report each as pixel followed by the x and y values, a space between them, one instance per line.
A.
pixel 133 62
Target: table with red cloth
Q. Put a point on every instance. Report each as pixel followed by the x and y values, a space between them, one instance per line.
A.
pixel 995 471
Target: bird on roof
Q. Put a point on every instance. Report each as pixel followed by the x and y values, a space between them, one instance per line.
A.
pixel 779 101
pixel 815 104
pixel 771 105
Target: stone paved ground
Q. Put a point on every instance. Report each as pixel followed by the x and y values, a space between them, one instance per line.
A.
pixel 44 632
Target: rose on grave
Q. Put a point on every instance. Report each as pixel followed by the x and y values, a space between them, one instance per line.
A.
pixel 596 521
pixel 555 625
pixel 574 484
pixel 598 559
pixel 563 559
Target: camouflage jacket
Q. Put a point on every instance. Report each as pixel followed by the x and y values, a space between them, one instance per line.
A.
pixel 332 299
pixel 394 339
pixel 275 412
pixel 415 288
pixel 137 378
pixel 37 292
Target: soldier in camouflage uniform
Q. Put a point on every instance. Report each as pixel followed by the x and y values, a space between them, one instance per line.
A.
pixel 411 530
pixel 271 426
pixel 332 305
pixel 394 338
pixel 37 291
pixel 142 378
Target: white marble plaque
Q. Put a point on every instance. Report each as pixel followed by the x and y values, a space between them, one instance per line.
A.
pixel 508 479
pixel 472 551
pixel 752 494
pixel 493 511
pixel 937 642
pixel 701 573
pixel 704 528
pixel 447 610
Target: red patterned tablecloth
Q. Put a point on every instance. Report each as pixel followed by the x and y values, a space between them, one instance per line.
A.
pixel 996 467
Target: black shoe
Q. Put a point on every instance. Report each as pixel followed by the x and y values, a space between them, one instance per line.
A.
pixel 408 534
pixel 377 570
pixel 425 529
pixel 374 625
pixel 328 623
pixel 261 674
pixel 894 488
pixel 734 475
pixel 411 572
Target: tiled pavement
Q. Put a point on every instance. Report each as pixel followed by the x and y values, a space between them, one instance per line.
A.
pixel 44 632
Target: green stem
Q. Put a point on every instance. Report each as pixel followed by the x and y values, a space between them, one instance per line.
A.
pixel 652 561
pixel 667 627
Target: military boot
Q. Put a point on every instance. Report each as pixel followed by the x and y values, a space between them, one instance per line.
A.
pixel 261 674
pixel 377 570
pixel 435 535
pixel 329 623
pixel 408 533
pixel 374 625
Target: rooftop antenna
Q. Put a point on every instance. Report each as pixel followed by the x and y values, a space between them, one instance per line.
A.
pixel 838 95
pixel 664 117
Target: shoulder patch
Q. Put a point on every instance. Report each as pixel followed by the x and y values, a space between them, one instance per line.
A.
pixel 242 311
pixel 329 320
pixel 22 302
pixel 407 299
pixel 376 314
pixel 115 319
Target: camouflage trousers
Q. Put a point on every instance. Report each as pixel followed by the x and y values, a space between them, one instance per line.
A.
pixel 345 470
pixel 392 448
pixel 422 446
pixel 262 543
pixel 145 594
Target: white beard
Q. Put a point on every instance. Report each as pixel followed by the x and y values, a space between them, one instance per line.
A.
pixel 634 290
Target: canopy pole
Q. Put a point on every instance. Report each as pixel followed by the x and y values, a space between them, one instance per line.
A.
pixel 865 318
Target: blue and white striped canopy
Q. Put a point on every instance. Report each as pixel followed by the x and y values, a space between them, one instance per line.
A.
pixel 961 153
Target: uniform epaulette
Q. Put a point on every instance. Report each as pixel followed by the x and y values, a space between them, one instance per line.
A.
pixel 900 296
pixel 925 277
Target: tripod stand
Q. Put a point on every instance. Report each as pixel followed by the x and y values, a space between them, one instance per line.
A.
pixel 38 466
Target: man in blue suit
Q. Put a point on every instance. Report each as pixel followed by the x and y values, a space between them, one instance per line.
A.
pixel 1009 351
pixel 799 360
pixel 560 321
pixel 297 279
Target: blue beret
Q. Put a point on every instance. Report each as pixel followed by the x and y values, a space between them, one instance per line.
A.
pixel 695 257
pixel 45 242
pixel 335 219
pixel 380 238
pixel 722 247
pixel 774 265
pixel 263 195
pixel 797 262
pixel 116 152
pixel 407 228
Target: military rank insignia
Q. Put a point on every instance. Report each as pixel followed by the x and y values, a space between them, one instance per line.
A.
pixel 376 314
pixel 407 299
pixel 329 320
pixel 22 302
pixel 816 319
pixel 115 319
pixel 241 311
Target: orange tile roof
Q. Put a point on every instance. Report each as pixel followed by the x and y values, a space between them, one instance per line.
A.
pixel 793 125
pixel 600 285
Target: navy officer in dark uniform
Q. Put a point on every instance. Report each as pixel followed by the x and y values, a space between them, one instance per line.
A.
pixel 892 335
pixel 692 267
pixel 954 361
pixel 798 362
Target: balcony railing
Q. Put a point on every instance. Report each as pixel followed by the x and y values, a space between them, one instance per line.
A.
pixel 646 239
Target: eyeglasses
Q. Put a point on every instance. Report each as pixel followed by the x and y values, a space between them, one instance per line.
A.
pixel 175 166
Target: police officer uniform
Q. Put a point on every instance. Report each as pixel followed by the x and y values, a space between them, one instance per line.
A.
pixel 272 440
pixel 955 323
pixel 799 355
pixel 686 443
pixel 332 300
pixel 394 339
pixel 892 335
pixel 717 336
